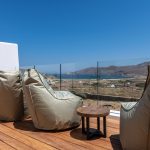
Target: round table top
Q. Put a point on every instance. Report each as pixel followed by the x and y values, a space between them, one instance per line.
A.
pixel 93 111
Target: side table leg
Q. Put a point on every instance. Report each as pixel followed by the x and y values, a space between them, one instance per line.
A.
pixel 104 126
pixel 83 125
pixel 87 127
pixel 98 123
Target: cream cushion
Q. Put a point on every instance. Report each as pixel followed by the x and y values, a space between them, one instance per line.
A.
pixel 11 96
pixel 49 110
pixel 135 124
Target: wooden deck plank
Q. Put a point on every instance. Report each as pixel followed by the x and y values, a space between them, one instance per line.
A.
pixel 61 135
pixel 13 142
pixel 5 146
pixel 34 144
pixel 100 142
pixel 73 139
pixel 46 137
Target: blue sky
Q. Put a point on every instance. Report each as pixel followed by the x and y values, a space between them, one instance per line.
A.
pixel 82 31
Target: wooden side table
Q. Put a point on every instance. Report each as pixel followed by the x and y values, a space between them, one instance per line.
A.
pixel 91 111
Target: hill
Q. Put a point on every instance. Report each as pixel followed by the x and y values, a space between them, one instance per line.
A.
pixel 129 71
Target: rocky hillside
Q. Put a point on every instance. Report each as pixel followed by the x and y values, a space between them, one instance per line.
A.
pixel 130 71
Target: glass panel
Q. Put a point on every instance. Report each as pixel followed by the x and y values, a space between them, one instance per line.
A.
pixel 123 78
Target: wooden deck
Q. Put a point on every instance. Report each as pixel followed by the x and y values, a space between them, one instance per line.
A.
pixel 23 136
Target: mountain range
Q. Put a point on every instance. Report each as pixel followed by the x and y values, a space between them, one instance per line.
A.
pixel 129 71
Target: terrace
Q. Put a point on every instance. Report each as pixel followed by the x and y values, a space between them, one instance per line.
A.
pixel 80 68
pixel 96 90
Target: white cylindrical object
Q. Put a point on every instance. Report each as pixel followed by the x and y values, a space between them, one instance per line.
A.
pixel 9 60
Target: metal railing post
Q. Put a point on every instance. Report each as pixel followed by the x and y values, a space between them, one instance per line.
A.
pixel 97 81
pixel 60 76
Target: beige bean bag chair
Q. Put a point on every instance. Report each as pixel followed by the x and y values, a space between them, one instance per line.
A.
pixel 50 110
pixel 135 122
pixel 11 96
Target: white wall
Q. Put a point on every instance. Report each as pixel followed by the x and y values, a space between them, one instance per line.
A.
pixel 9 60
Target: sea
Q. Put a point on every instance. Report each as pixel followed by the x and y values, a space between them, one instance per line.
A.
pixel 89 76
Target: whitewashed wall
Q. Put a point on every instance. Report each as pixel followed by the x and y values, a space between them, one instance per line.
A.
pixel 9 60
